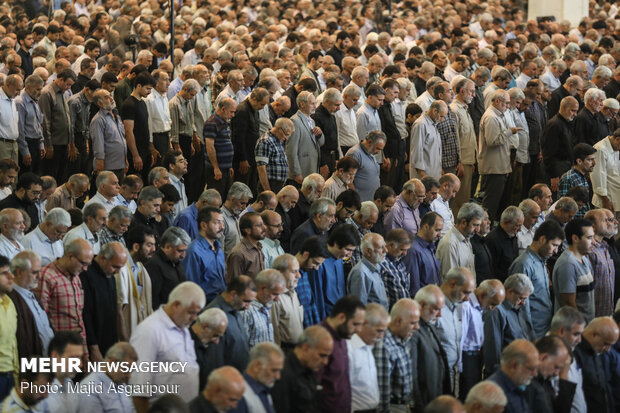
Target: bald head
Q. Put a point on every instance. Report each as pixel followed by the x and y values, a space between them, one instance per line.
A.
pixel 404 318
pixel 431 300
pixel 519 361
pixel 225 388
pixel 444 404
pixel 601 333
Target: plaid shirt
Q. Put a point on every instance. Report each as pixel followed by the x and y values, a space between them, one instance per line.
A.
pixel 304 293
pixel 571 179
pixel 257 322
pixel 62 298
pixel 395 278
pixel 603 272
pixel 449 141
pixel 357 255
pixel 270 152
pixel 393 361
pixel 106 235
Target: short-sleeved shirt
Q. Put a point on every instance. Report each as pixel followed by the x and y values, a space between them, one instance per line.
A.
pixel 571 276
pixel 218 129
pixel 134 109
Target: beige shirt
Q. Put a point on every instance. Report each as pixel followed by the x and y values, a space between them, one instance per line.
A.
pixel 454 250
pixel 287 317
pixel 465 132
pixel 60 198
pixel 494 155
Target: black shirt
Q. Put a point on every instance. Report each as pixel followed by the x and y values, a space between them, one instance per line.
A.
pixel 291 93
pixel 542 398
pixel 300 213
pixel 233 345
pixel 589 127
pixel 536 118
pixel 287 229
pixel 553 107
pixel 483 261
pixel 165 275
pixel 327 122
pixel 612 90
pixel 158 227
pixel 100 307
pixel 79 84
pixel 503 249
pixel 420 85
pixel 245 133
pixel 12 201
pixel 296 391
pixel 208 357
pixel 476 108
pixel 557 146
pixel 134 109
pixel 594 384
pixel 337 54
pixel 201 405
pixel 388 126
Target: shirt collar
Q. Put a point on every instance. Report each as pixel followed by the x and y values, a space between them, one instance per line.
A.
pixel 473 300
pixel 259 388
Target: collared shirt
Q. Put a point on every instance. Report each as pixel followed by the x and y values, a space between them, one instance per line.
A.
pixel 202 109
pixel 522 80
pixel 245 259
pixel 334 186
pixel 403 216
pixel 539 306
pixel 108 204
pixel 56 116
pixel 604 275
pixel 425 147
pixel 579 400
pixel 449 140
pixel 422 265
pixel 9 117
pixel 395 278
pixel 40 317
pixel 82 231
pixel 62 298
pixel 473 327
pixel 179 185
pixel 450 329
pixel 205 265
pixel 113 398
pixel 108 136
pixel 550 80
pixel 257 323
pixel 14 404
pixel 131 205
pixel 287 317
pixel 606 174
pixel 525 237
pixel 442 207
pixel 494 153
pixel 398 109
pixel 182 117
pixel 37 241
pixel 271 250
pixel 308 299
pixel 270 152
pixel 159 113
pixel 234 343
pixel 362 375
pixel 231 230
pixel 257 397
pixel 60 198
pixel 79 109
pixel 218 130
pixel 158 338
pixel 9 248
pixel 30 120
pixel 454 250
pixel 8 341
pixel 346 121
pixel 424 101
pixel 334 377
pixel 523 136
pixel 365 282
pixel 465 132
pixel 330 282
pixel 570 179
pixel 367 177
pixel 367 120
pixel 516 396
pixel 394 367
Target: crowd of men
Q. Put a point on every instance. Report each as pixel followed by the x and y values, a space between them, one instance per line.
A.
pixel 316 207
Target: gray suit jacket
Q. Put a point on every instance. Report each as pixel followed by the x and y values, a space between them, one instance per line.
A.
pixel 431 377
pixel 303 149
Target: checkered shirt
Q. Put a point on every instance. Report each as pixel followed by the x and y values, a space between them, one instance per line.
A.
pixel 449 141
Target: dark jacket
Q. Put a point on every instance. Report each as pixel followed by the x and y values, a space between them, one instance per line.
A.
pixel 337 54
pixel 306 230
pixel 27 65
pixel 158 227
pixel 201 405
pixel 553 106
pixel 301 211
pixel 12 201
pixel 234 345
pixel 287 228
pixel 292 93
pixel 503 249
pixel 209 357
pixel 542 398
pixel 388 126
pixel 612 90
pixel 327 122
pixel 296 391
pixel 483 260
pixel 244 133
pixel 595 380
pixel 557 146
pixel 164 276
pixel 589 127
pixel 28 341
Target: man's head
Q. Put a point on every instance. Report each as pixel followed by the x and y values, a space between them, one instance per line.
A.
pixel 140 241
pixel 374 96
pixel 158 176
pixel 568 323
pixel 531 212
pixel 458 284
pixel 173 243
pixel 541 194
pixel 469 218
pixel 568 108
pixel 266 363
pixel 444 404
pixel 28 382
pixel 252 227
pixel 175 162
pixel 270 284
pixel 131 187
pixel 584 156
pixel 431 226
pixel 314 347
pixel 367 215
pixel 519 362
pixel 413 193
pixel 373 248
pixel 376 321
pixel 511 220
pixel 65 79
pixel 12 224
pixel 29 187
pixel 603 228
pixel 77 256
pixel 8 172
pixel 288 197
pixel 306 102
pixel 384 199
pixel 7 278
pixel 237 198
pixel 224 389
pixel 13 84
pixel 184 303
pixel 518 288
pixel 431 300
pixel 66 345
pixel 323 213
pixel 437 111
pixel 240 292
pixel 404 318
pixel 149 201
pixel 490 294
pixel 449 185
pixel 601 334
pixel 210 325
pixel 553 355
pixel 288 266
pixel 107 184
pixel 312 253
pixel 347 316
pixel 111 258
pixel 485 397
pixel 374 142
pixel 547 239
pixel 593 99
pixel 579 235
pixel 500 100
pixel 26 268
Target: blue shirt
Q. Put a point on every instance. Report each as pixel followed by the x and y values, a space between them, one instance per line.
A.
pixel 395 278
pixel 473 327
pixel 309 299
pixel 539 307
pixel 262 392
pixel 515 395
pixel 331 276
pixel 205 265
pixel 113 398
pixel 365 282
pixel 367 177
pixel 403 216
pixel 422 264
pixel 188 220
pixel 40 317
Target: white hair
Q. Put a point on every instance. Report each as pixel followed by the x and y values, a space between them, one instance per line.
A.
pixel 188 293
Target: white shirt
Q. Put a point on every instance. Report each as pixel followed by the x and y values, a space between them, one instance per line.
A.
pixel 363 375
pixel 159 113
pixel 111 399
pixel 522 80
pixel 9 121
pixel 579 400
pixel 83 232
pixel 550 81
pixel 37 241
pixel 606 174
pixel 190 58
pixel 525 237
pixel 346 121
pixel 158 338
pixel 60 400
pixel 454 250
pixel 424 101
pixel 78 62
pixel 8 248
pixel 6 191
pixel 107 204
pixel 180 186
pixel 443 208
pixel 398 109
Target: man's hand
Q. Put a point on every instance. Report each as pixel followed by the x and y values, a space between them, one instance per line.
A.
pixel 386 164
pixel 155 155
pixel 555 184
pixel 217 174
pixel 460 170
pixel 607 204
pixel 137 162
pixel 299 179
pixel 515 130
pixel 95 354
pixel 244 167
pixel 99 165
pixel 72 152
pixel 27 160
pixel 49 152
pixel 317 131
pixel 42 153
pixel 324 171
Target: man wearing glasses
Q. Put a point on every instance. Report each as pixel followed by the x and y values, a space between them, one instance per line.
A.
pixel 405 214
pixel 271 243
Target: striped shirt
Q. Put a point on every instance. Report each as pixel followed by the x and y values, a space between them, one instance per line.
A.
pixel 218 129
pixel 394 367
pixel 257 323
pixel 270 152
pixel 395 278
pixel 603 273
pixel 449 140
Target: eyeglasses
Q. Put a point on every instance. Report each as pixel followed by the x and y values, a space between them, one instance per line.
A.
pixel 276 225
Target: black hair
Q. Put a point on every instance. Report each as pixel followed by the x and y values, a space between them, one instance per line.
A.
pixel 350 199
pixel 62 339
pixel 315 246
pixel 384 192
pixel 582 151
pixel 344 235
pixel 550 230
pixel 26 180
pixel 137 235
pixel 171 194
pixel 205 214
pixel 347 305
pixel 575 227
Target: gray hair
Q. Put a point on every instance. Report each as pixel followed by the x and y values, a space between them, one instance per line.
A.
pixel 489 287
pixel 107 251
pixel 359 71
pixel 427 67
pixel 511 214
pixel 73 246
pixel 566 317
pixel 516 93
pixel 57 216
pixel 120 212
pixel 566 204
pixel 376 314
pixel 174 236
pixel 320 206
pixel 103 177
pixel 282 262
pixel 121 350
pixel 375 136
pixel 602 71
pixel 470 211
pixel 519 283
pixel 367 208
pixel 527 205
pixel 269 278
pixel 212 317
pixel 210 196
pixel 33 80
pixel 427 295
pixel 23 260
pixel 351 90
pixel 239 190
pixel 487 394
pixel 456 273
pixel 156 173
pixel 187 293
pixel 78 179
pixel 303 97
pixel 611 103
pixel 265 351
pixel 149 193
pixel 593 93
pixel 313 335
pixel 191 85
pixel 604 60
pixel 312 181
pixel 91 210
pixel 332 95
